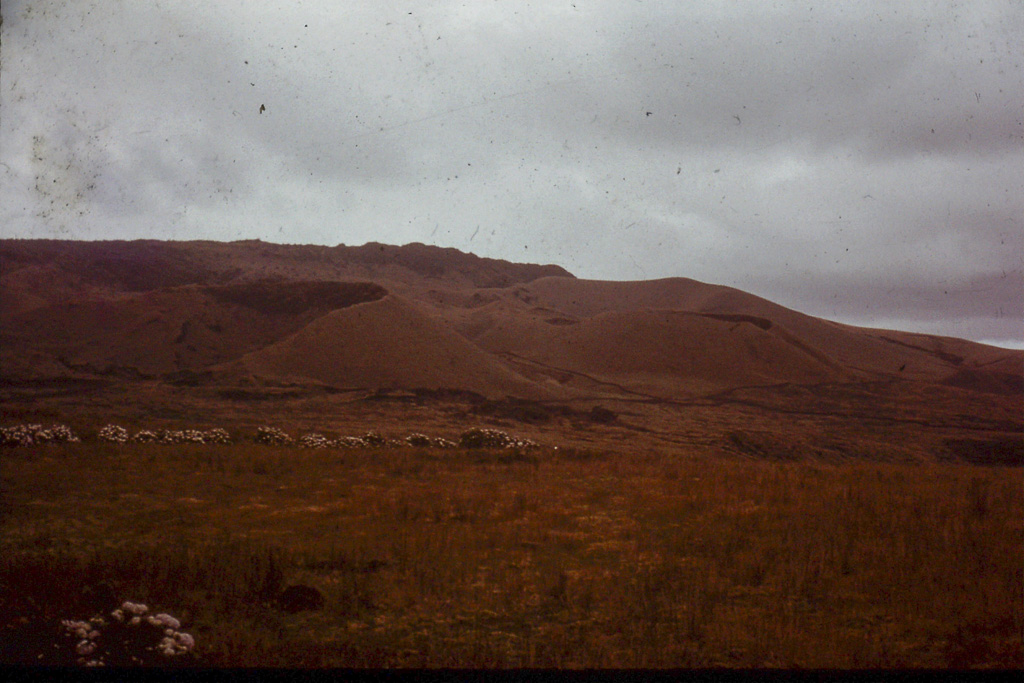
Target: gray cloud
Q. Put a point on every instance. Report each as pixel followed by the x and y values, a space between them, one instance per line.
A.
pixel 860 161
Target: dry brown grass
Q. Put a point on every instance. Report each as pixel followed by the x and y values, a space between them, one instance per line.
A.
pixel 548 558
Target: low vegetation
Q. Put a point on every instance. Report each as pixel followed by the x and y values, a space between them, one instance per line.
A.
pixel 513 556
pixel 27 435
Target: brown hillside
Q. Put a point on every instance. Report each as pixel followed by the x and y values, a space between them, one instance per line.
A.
pixel 668 354
pixel 151 308
pixel 36 273
pixel 167 330
pixel 250 331
pixel 384 344
pixel 848 351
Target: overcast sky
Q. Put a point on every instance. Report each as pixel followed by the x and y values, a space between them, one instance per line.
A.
pixel 860 161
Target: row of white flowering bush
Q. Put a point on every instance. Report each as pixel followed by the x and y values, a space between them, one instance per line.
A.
pixel 32 434
pixel 315 440
pixel 473 438
pixel 116 434
pixel 28 435
pixel 176 436
pixel 372 440
pixel 424 441
pixel 493 438
pixel 129 636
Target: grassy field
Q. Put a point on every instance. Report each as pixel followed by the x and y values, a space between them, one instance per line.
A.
pixel 536 558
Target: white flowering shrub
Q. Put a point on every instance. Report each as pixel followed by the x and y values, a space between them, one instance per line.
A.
pixel 350 442
pixel 314 440
pixel 193 436
pixel 493 438
pixel 113 434
pixel 63 434
pixel 129 636
pixel 32 434
pixel 424 441
pixel 182 436
pixel 18 435
pixel 374 439
pixel 216 436
pixel 171 436
pixel 145 436
pixel 272 436
pixel 418 440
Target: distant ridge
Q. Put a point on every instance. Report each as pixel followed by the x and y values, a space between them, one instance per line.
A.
pixel 422 317
pixel 38 272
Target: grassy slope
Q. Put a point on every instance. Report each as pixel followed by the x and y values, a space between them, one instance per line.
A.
pixel 544 558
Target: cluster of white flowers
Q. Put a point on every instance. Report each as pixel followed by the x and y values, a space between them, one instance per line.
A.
pixel 32 434
pixel 60 434
pixel 145 436
pixel 350 442
pixel 423 441
pixel 272 436
pixel 174 642
pixel 113 434
pixel 93 649
pixel 314 440
pixel 86 632
pixel 375 439
pixel 133 611
pixel 179 436
pixel 473 438
pixel 217 436
pixel 368 440
pixel 493 438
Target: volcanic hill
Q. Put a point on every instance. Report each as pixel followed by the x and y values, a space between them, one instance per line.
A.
pixel 252 332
